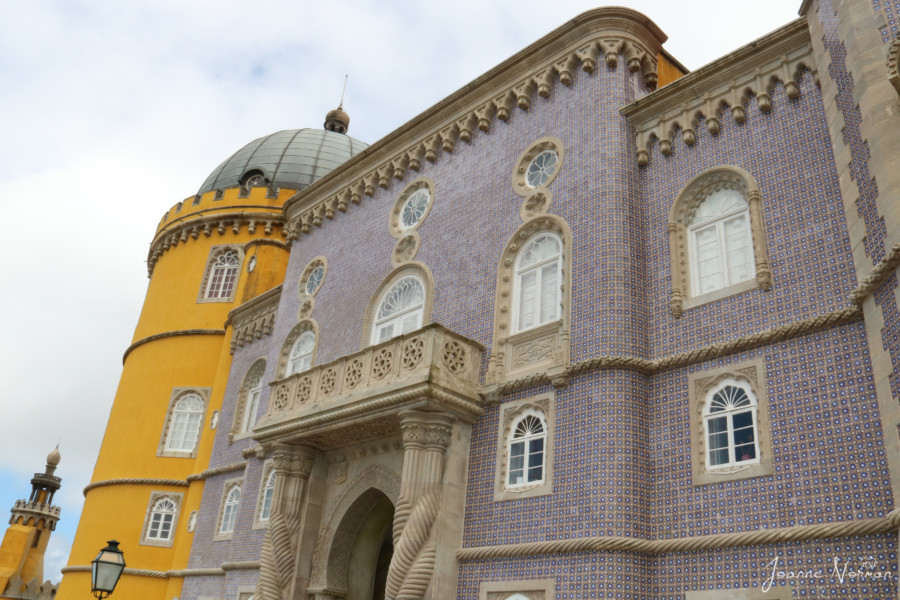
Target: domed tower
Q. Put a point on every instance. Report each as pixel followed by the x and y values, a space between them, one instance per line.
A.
pixel 26 538
pixel 213 252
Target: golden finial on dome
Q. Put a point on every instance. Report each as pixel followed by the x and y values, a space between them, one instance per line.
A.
pixel 337 120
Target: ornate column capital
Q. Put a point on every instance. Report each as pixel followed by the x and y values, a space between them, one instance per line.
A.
pixel 426 430
pixel 293 460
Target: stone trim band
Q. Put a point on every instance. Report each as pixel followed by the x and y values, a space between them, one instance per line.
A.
pixel 798 533
pixel 134 481
pixel 648 367
pixel 212 572
pixel 168 334
pixel 238 466
pixel 879 273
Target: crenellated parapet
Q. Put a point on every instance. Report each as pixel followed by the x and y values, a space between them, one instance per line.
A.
pixel 26 513
pixel 782 57
pixel 254 319
pixel 605 38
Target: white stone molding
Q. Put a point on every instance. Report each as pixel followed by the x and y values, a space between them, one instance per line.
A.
pixel 394 225
pixel 177 394
pixel 254 319
pixel 293 465
pixel 516 83
pixel 204 475
pixel 257 369
pixel 518 175
pixel 156 496
pixel 284 357
pixel 510 413
pixel 318 261
pixel 727 83
pixel 214 253
pixel 402 269
pixel 168 334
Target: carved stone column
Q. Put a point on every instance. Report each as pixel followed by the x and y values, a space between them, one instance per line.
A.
pixel 763 272
pixel 276 562
pixel 425 439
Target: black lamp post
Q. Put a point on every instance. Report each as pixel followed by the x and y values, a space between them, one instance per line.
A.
pixel 106 570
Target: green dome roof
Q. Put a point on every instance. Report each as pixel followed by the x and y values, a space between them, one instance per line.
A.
pixel 293 159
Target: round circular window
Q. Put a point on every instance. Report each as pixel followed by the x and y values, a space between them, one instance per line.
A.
pixel 414 208
pixel 315 279
pixel 541 168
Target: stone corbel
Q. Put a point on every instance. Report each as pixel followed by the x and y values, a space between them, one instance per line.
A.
pixel 384 176
pixel 504 104
pixel 369 183
pixel 611 50
pixel 588 57
pixel 633 57
pixel 330 206
pixel 356 192
pixel 343 200
pixel 791 89
pixel 545 82
pixel 688 136
pixel 566 69
pixel 414 157
pixel 431 148
pixel 466 126
pixel 305 221
pixel 523 93
pixel 712 117
pixel 484 116
pixel 448 137
pixel 398 166
pixel 648 69
pixel 665 140
pixel 763 99
pixel 318 212
pixel 737 105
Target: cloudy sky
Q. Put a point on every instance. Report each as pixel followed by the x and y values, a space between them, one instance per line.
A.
pixel 111 112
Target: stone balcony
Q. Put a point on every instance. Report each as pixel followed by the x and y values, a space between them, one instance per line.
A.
pixel 359 397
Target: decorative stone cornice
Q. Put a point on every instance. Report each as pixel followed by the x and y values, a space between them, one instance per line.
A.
pixel 238 466
pixel 134 481
pixel 595 39
pixel 254 319
pixel 646 366
pixel 219 222
pixel 753 70
pixel 761 537
pixel 358 397
pixel 24 510
pixel 168 334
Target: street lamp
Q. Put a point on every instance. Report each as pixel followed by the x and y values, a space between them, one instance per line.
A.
pixel 106 570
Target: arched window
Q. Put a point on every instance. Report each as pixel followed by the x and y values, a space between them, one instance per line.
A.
pixel 301 353
pixel 527 448
pixel 268 492
pixel 721 246
pixel 729 418
pixel 717 245
pixel 537 291
pixel 162 520
pixel 184 428
pixel 230 509
pixel 400 310
pixel 222 275
pixel 252 389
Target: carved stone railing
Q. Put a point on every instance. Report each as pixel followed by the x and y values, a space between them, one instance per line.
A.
pixel 358 397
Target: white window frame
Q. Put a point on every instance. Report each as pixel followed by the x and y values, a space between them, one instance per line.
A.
pixel 223 288
pixel 397 320
pixel 262 520
pixel 251 403
pixel 537 268
pixel 729 415
pixel 162 520
pixel 186 414
pixel 301 361
pixel 526 443
pixel 721 245
pixel 156 498
pixel 167 446
pixel 229 510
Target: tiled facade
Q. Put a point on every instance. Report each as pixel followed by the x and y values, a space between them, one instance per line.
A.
pixel 625 517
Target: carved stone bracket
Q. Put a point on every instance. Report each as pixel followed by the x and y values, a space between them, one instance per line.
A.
pixel 254 319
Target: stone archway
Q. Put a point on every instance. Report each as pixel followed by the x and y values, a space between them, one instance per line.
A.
pixel 357 534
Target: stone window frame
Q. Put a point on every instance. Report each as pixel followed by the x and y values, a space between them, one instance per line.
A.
pixel 396 228
pixel 681 216
pixel 243 395
pixel 532 589
pixel 286 348
pixel 318 261
pixel 549 142
pixel 156 496
pixel 517 287
pixel 227 486
pixel 700 384
pixel 510 414
pixel 412 268
pixel 214 253
pixel 541 349
pixel 177 394
pixel 267 471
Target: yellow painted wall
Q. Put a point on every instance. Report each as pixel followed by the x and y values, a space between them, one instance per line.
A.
pixel 151 371
pixel 13 549
pixel 668 70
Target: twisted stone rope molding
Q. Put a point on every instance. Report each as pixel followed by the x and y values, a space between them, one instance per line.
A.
pixel 649 367
pixel 134 481
pixel 238 466
pixel 211 572
pixel 412 565
pixel 879 273
pixel 245 565
pixel 168 334
pixel 798 533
